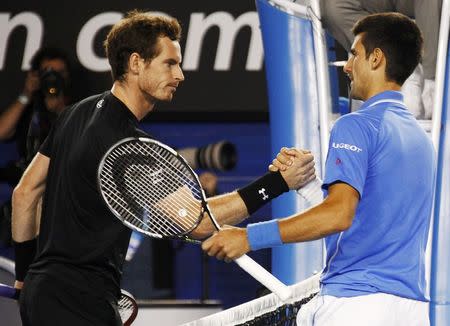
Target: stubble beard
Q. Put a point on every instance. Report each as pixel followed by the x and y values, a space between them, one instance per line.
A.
pixel 354 94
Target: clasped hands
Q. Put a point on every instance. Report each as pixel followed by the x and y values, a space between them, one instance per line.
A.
pixel 297 168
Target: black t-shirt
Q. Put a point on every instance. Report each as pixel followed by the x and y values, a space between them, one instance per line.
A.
pixel 80 241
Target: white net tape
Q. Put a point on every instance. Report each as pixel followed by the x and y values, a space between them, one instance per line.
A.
pixel 252 309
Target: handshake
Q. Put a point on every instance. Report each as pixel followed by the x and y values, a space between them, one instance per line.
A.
pixel 296 167
pixel 297 170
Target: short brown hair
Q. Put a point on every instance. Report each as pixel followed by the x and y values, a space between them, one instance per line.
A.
pixel 398 37
pixel 137 32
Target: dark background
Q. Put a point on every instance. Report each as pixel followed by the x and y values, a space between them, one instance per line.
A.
pixel 235 94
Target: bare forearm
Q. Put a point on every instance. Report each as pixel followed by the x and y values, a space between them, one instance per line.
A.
pixel 25 214
pixel 315 223
pixel 227 209
pixel 26 197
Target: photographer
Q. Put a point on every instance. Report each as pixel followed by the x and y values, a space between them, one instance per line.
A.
pixel 28 119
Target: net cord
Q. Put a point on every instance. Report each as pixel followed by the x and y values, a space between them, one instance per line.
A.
pixel 252 309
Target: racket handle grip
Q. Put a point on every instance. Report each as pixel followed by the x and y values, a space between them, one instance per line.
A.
pixel 264 277
pixel 9 292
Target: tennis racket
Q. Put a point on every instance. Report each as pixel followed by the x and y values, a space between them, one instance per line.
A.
pixel 128 308
pixel 7 291
pixel 152 189
pixel 127 305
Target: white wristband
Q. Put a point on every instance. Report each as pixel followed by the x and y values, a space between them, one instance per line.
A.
pixel 312 192
pixel 23 99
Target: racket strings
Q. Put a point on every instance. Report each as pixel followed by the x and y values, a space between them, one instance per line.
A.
pixel 119 204
pixel 142 182
pixel 180 168
pixel 143 197
pixel 146 223
pixel 126 307
pixel 171 188
pixel 175 165
pixel 144 200
pixel 177 170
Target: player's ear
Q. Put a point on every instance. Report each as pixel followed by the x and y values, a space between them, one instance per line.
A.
pixel 376 58
pixel 134 62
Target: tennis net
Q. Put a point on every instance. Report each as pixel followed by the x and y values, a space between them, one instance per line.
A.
pixel 267 310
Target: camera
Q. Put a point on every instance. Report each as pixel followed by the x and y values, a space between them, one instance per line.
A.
pixel 220 156
pixel 52 83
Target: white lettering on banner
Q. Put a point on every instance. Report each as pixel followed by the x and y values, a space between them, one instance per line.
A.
pixel 85 42
pixel 34 27
pixel 198 26
pixel 349 147
pixel 229 27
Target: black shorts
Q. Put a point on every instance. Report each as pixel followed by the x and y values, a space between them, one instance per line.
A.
pixel 45 301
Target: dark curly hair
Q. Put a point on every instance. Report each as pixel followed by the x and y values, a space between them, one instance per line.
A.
pixel 137 32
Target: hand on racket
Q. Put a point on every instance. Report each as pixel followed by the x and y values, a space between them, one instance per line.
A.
pixel 151 189
pixel 227 244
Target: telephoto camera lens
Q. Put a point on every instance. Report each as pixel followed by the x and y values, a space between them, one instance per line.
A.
pixel 220 156
pixel 52 83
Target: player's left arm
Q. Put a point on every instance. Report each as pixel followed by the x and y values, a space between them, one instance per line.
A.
pixel 26 197
pixel 25 203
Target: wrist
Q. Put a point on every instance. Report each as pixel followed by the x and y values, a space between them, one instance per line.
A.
pixel 23 99
pixel 25 252
pixel 264 235
pixel 263 190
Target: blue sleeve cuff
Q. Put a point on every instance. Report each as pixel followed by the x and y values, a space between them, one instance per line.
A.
pixel 264 235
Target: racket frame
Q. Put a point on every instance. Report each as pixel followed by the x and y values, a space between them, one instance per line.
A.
pixel 125 295
pixel 9 292
pixel 182 235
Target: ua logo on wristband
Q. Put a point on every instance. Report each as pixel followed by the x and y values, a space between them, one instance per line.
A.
pixel 262 191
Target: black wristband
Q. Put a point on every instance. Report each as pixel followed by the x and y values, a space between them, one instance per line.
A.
pixel 263 190
pixel 17 294
pixel 25 252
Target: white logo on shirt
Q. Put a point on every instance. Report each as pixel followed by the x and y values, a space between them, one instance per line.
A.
pixel 262 191
pixel 100 103
pixel 349 147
